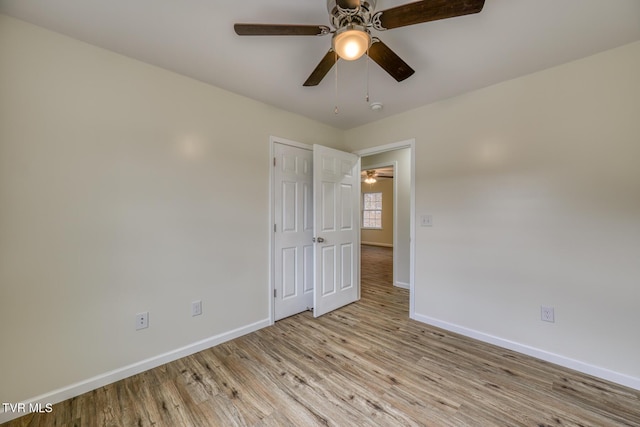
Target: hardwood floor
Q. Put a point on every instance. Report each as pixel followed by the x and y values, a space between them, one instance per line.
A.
pixel 366 364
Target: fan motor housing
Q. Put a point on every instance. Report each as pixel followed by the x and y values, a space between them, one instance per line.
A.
pixel 342 17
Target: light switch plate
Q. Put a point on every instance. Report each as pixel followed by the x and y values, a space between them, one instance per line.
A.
pixel 196 308
pixel 426 221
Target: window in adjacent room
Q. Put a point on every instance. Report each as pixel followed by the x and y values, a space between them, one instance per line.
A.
pixel 372 210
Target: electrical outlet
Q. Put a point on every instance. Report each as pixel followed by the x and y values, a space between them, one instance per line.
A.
pixel 196 308
pixel 547 314
pixel 142 320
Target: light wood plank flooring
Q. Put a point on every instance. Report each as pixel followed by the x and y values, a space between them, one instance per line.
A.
pixel 366 364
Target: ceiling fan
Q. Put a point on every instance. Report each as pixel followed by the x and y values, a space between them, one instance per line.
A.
pixel 351 24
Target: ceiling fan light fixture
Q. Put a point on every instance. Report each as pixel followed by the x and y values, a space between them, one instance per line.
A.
pixel 351 42
pixel 370 179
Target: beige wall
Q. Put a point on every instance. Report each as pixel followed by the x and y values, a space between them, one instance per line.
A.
pixel 534 188
pixel 384 236
pixel 124 188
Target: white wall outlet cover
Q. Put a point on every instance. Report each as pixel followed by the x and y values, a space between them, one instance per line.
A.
pixel 142 320
pixel 547 314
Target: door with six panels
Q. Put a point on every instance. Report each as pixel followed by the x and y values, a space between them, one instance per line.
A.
pixel 293 231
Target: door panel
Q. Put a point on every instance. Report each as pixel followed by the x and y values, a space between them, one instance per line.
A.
pixel 346 220
pixel 290 206
pixel 336 181
pixel 289 264
pixel 328 203
pixel 346 266
pixel 328 279
pixel 293 245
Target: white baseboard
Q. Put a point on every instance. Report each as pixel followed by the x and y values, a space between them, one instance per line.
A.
pixel 576 365
pixel 98 381
pixel 384 245
pixel 402 285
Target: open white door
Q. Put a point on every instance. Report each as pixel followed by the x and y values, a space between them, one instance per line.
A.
pixel 336 193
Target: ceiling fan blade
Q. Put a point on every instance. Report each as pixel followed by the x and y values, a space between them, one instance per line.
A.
pixel 322 69
pixel 280 30
pixel 424 11
pixel 389 61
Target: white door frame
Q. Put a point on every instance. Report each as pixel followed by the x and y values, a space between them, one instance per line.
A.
pixel 272 141
pixel 411 144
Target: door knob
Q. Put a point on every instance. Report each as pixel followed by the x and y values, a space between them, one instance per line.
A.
pixel 320 240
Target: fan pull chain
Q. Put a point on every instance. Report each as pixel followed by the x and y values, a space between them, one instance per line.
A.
pixel 335 110
pixel 367 76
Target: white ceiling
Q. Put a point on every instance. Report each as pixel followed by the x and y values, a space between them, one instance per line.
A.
pixel 509 38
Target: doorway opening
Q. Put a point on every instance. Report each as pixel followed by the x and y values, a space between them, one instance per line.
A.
pixel 398 157
pixel 379 210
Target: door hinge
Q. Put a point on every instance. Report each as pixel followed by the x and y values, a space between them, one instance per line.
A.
pixel 274 161
pixel 275 293
pixel 274 228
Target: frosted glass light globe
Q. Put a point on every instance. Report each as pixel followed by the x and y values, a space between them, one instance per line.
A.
pixel 351 42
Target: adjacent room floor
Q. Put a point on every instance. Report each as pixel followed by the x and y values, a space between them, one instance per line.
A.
pixel 366 364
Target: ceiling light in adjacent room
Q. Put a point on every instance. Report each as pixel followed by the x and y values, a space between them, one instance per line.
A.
pixel 370 179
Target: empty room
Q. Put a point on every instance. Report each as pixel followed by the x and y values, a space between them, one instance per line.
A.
pixel 436 223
